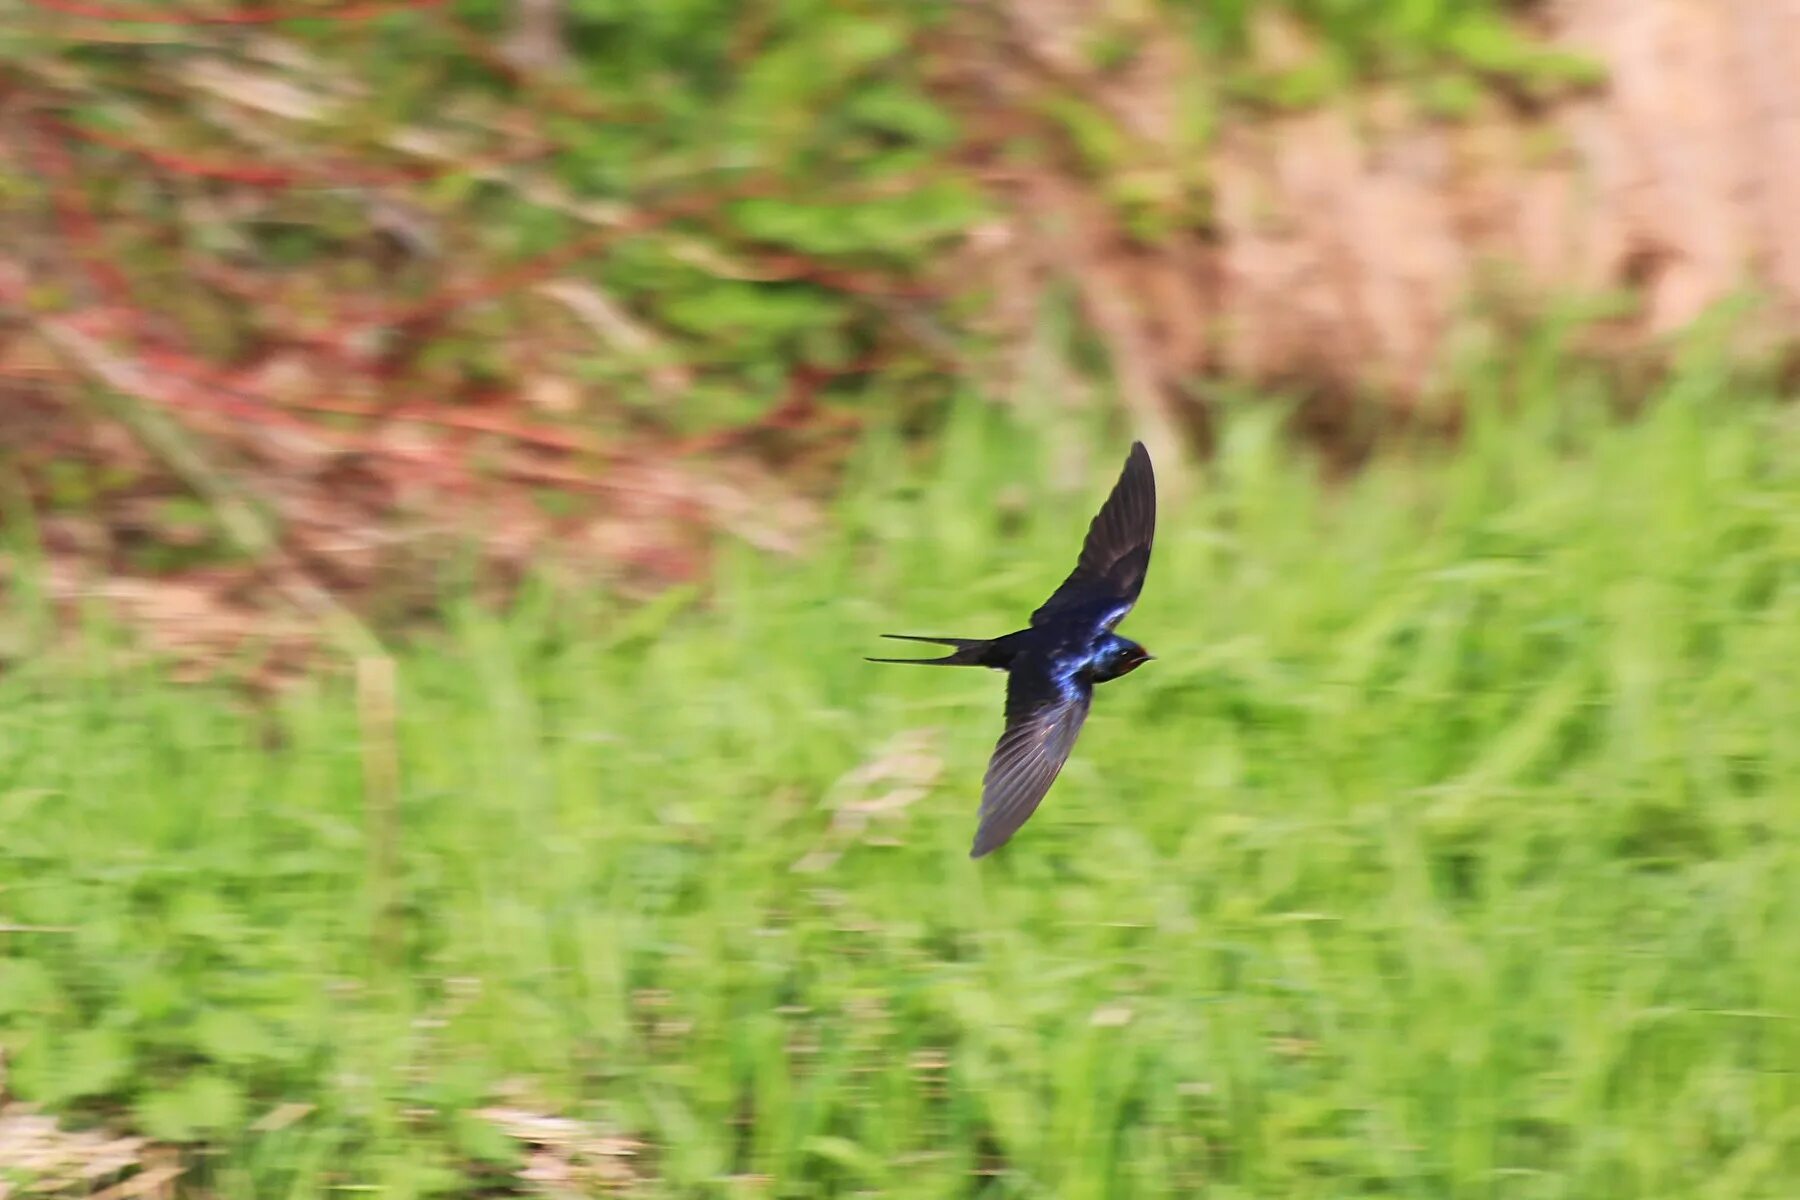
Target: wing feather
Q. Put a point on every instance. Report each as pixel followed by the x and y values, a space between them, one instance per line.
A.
pixel 1116 555
pixel 1043 719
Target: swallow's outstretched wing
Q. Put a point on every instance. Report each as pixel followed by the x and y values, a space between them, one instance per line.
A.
pixel 1116 556
pixel 1043 717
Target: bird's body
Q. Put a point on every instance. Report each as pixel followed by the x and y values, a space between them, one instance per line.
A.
pixel 1053 664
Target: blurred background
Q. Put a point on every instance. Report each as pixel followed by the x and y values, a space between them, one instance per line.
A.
pixel 455 453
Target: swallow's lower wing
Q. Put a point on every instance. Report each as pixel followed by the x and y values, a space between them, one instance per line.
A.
pixel 1116 555
pixel 1043 719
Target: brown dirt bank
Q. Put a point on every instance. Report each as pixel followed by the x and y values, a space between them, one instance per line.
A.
pixel 1347 245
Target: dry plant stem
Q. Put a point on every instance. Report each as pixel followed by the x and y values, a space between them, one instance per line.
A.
pixel 239 518
pixel 622 332
pixel 1133 363
pixel 1072 231
pixel 154 1181
pixel 377 706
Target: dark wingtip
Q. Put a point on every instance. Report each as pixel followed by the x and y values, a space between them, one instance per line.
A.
pixel 983 848
pixel 1138 460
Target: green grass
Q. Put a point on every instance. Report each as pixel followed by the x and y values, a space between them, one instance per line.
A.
pixel 1450 848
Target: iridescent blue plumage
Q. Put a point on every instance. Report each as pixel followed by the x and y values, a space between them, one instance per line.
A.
pixel 1053 664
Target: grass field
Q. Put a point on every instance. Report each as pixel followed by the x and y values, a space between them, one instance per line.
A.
pixel 1450 848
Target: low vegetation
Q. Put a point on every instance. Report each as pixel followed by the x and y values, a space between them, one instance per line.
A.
pixel 1447 850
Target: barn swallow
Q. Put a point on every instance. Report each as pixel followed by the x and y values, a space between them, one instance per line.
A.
pixel 1053 664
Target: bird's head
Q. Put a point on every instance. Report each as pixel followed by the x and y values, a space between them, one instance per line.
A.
pixel 1119 656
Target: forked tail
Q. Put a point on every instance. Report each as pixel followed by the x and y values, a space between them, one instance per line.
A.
pixel 969 652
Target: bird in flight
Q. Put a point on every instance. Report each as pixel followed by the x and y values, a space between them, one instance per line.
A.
pixel 1053 664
